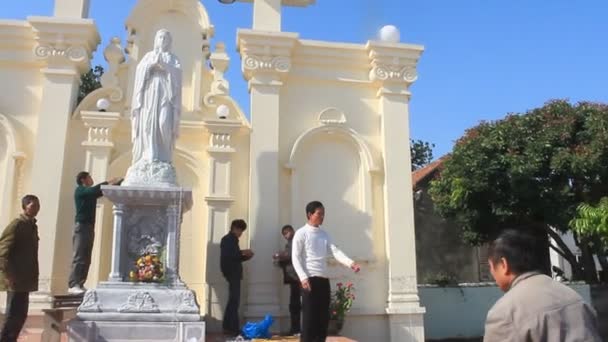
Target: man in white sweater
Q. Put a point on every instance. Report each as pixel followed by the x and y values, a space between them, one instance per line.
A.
pixel 311 248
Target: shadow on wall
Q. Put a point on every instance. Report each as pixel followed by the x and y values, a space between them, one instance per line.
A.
pixel 217 291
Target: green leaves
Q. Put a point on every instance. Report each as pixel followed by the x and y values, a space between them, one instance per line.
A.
pixel 592 221
pixel 89 82
pixel 527 169
pixel 421 153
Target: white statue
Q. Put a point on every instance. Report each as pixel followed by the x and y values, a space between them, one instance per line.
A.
pixel 155 115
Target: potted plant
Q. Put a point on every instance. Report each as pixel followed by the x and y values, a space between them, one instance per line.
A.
pixel 341 302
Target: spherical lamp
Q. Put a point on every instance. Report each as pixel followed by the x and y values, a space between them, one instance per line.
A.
pixel 389 34
pixel 103 104
pixel 222 111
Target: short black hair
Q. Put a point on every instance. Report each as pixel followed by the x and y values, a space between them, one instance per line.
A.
pixel 312 207
pixel 27 199
pixel 285 227
pixel 81 176
pixel 519 248
pixel 238 224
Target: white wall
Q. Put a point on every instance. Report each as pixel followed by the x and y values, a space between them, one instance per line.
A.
pixel 461 311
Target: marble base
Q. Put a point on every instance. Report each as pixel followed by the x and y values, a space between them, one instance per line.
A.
pixel 151 173
pixel 104 331
pixel 122 301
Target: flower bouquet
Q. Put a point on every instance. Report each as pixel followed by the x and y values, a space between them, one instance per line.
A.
pixel 148 269
pixel 341 302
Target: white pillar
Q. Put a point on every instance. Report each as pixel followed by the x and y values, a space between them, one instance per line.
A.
pixel 65 49
pixel 114 275
pixel 98 147
pixel 265 62
pixel 219 202
pixel 71 9
pixel 267 15
pixel 393 70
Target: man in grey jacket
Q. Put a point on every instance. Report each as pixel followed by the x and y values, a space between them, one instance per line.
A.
pixel 534 308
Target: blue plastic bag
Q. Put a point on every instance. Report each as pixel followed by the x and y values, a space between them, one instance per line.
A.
pixel 258 329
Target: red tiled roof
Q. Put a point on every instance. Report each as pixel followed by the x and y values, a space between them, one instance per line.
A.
pixel 425 172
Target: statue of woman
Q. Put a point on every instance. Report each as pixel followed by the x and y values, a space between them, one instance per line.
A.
pixel 155 114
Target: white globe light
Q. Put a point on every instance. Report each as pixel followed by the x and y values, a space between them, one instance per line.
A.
pixel 389 34
pixel 222 111
pixel 103 104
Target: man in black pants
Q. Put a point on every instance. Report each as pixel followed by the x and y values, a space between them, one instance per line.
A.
pixel 290 277
pixel 311 248
pixel 19 267
pixel 231 258
pixel 85 199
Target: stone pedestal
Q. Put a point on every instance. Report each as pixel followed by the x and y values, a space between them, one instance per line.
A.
pixel 146 219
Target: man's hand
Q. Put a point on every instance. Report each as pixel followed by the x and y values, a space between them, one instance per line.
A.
pixel 305 285
pixel 355 267
pixel 247 252
pixel 9 282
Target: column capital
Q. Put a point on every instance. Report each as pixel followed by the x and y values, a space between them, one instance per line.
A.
pixel 100 125
pixel 393 66
pixel 265 56
pixel 64 43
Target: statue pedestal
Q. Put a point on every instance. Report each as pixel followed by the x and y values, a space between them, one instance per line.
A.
pixel 146 220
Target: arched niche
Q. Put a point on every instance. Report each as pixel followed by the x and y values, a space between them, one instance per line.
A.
pixel 333 164
pixel 189 24
pixel 11 159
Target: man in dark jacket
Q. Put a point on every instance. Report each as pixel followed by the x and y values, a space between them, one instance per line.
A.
pixel 290 277
pixel 85 199
pixel 231 259
pixel 19 266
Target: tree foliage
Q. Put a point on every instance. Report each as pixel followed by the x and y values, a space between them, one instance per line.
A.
pixel 89 82
pixel 422 153
pixel 530 170
pixel 592 221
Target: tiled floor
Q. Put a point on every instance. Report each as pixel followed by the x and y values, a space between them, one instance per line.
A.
pixel 35 336
pixel 220 338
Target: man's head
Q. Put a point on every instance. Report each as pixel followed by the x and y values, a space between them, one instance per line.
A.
pixel 30 205
pixel 162 41
pixel 238 227
pixel 287 232
pixel 511 254
pixel 315 213
pixel 84 178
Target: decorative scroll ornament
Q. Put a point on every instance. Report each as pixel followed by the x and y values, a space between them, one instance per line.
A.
pixel 188 303
pixel 140 302
pixel 74 53
pixel 90 302
pixel 266 63
pixel 382 72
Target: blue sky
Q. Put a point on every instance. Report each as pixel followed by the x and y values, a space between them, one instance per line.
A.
pixel 483 58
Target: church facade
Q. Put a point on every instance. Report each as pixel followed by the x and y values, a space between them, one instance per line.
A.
pixel 329 122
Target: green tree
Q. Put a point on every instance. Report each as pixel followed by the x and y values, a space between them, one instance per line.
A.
pixel 591 222
pixel 89 82
pixel 529 171
pixel 421 152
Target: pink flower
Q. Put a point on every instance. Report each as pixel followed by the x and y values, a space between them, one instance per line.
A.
pixel 339 285
pixel 349 284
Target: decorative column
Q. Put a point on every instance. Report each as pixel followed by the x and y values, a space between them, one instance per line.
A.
pixel 265 63
pixel 98 147
pixel 393 70
pixel 115 275
pixel 219 201
pixel 64 49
